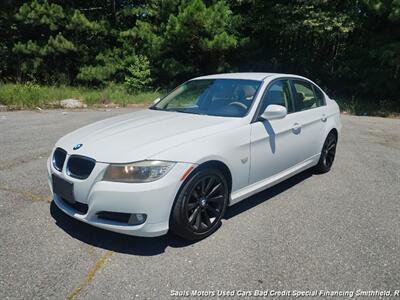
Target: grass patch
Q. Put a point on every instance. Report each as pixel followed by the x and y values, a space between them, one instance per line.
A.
pixel 30 95
pixel 368 108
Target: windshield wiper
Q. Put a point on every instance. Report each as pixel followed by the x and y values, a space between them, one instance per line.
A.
pixel 156 108
pixel 183 110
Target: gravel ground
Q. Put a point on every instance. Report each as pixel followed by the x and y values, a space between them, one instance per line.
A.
pixel 337 231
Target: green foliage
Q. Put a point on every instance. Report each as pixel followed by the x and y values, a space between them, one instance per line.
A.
pixel 80 23
pixel 41 13
pixel 351 48
pixel 112 65
pixel 58 45
pixel 387 8
pixel 53 41
pixel 107 65
pixel 197 38
pixel 138 78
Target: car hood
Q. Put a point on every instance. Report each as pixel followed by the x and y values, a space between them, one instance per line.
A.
pixel 141 135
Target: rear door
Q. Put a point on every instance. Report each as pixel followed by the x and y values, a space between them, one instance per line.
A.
pixel 309 119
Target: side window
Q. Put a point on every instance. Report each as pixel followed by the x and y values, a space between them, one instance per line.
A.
pixel 304 97
pixel 319 96
pixel 278 93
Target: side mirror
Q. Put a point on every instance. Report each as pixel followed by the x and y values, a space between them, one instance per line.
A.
pixel 273 112
pixel 156 100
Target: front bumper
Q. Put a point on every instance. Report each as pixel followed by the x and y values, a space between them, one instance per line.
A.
pixel 155 199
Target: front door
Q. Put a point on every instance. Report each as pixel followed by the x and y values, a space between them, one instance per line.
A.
pixel 274 142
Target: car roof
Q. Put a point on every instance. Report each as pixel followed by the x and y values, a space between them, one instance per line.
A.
pixel 248 76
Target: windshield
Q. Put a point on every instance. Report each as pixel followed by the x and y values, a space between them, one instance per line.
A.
pixel 215 97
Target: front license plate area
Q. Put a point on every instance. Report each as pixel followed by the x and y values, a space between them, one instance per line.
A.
pixel 64 189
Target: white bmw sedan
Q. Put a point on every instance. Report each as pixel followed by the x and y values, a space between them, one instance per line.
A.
pixel 210 143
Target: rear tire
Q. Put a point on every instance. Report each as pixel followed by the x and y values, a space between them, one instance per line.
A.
pixel 200 205
pixel 327 154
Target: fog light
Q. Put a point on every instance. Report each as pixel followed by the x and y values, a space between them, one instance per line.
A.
pixel 137 219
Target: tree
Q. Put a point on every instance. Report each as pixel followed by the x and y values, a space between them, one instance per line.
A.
pixel 351 48
pixel 184 38
pixel 53 41
pixel 370 67
pixel 138 78
pixel 197 38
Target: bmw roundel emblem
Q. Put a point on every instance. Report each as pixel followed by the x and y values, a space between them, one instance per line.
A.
pixel 77 146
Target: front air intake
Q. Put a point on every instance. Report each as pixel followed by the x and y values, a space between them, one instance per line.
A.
pixel 80 167
pixel 125 218
pixel 81 208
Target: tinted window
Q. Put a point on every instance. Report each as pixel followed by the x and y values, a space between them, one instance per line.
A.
pixel 278 93
pixel 304 97
pixel 320 96
pixel 216 97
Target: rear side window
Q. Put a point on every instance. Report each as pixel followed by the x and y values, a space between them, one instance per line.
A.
pixel 304 96
pixel 278 93
pixel 319 96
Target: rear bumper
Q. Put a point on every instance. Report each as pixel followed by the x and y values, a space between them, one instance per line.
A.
pixel 155 199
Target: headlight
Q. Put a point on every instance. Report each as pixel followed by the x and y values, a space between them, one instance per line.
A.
pixel 142 171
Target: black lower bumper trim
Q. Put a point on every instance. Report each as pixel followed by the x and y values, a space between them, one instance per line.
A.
pixel 81 208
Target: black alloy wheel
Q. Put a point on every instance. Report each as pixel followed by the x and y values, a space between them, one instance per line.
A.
pixel 200 205
pixel 327 154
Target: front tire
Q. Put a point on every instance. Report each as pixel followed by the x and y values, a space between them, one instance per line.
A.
pixel 327 154
pixel 200 205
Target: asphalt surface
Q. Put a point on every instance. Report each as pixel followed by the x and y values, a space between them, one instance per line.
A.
pixel 337 231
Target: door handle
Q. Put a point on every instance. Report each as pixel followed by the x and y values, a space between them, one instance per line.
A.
pixel 323 118
pixel 296 128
